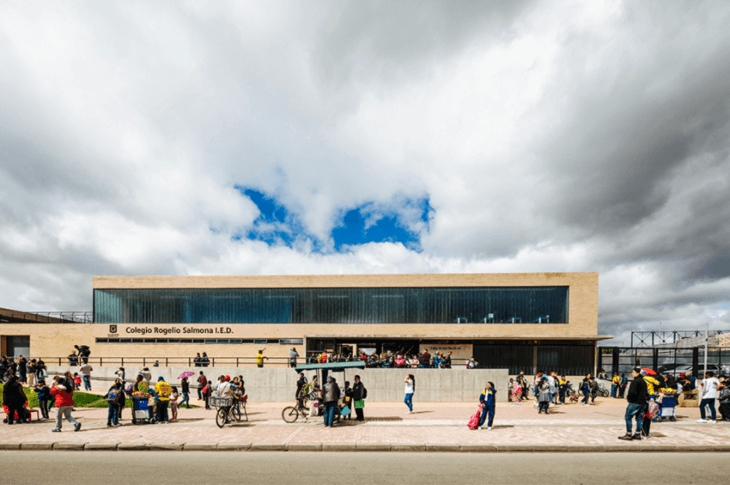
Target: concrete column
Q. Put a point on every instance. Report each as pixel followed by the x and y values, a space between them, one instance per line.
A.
pixel 534 360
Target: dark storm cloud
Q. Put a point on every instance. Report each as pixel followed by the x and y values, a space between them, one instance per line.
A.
pixel 382 41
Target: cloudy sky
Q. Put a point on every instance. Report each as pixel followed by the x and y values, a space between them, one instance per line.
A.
pixel 370 137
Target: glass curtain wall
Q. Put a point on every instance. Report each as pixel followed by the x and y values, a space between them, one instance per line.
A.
pixel 334 305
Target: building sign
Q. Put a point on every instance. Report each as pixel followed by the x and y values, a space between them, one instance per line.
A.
pixel 142 330
pixel 461 352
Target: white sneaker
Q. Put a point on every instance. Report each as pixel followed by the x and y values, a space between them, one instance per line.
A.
pixel 479 427
pixel 701 421
pixel 713 422
pixel 490 428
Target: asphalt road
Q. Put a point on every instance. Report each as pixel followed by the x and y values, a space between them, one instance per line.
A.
pixel 200 468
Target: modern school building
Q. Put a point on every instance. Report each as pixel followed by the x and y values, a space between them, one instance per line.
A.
pixel 522 322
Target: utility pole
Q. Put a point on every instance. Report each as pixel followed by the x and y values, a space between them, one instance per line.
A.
pixel 707 334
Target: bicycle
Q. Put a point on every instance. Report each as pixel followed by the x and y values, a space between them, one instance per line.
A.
pixel 291 413
pixel 229 409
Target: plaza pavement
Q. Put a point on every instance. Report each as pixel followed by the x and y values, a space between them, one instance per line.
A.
pixel 388 427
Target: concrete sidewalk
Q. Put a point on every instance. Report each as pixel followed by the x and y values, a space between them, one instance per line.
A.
pixel 388 427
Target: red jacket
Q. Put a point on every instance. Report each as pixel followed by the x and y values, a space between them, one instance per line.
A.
pixel 63 398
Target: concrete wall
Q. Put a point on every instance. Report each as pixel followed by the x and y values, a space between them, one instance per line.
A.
pixel 383 385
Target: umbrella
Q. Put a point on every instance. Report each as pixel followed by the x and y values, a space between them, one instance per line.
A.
pixel 187 373
pixel 649 372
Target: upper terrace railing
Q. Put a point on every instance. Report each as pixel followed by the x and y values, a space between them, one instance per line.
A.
pixel 190 362
pixel 13 316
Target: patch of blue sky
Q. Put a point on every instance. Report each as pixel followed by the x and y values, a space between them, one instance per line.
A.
pixel 400 221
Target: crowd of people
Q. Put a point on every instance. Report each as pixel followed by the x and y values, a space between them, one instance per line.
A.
pixel 389 359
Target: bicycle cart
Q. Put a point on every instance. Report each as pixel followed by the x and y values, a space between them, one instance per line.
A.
pixel 141 411
pixel 229 409
pixel 291 413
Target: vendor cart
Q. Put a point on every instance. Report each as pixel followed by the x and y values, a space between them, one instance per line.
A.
pixel 141 411
pixel 669 404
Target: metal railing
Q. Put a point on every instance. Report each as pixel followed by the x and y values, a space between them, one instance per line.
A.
pixel 46 317
pixel 652 338
pixel 190 362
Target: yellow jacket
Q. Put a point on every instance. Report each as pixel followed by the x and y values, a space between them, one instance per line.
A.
pixel 650 383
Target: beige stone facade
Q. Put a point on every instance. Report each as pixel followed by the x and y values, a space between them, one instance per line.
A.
pixel 57 340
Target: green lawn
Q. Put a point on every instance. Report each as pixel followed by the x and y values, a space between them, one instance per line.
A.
pixel 81 399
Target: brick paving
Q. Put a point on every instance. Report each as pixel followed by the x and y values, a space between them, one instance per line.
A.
pixel 387 423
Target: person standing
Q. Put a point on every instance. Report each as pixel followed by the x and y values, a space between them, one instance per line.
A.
pixel 86 376
pixel 562 388
pixel 330 396
pixel 63 392
pixel 359 394
pixel 585 388
pixel 299 394
pixel 293 354
pixel 14 399
pixel 185 385
pixel 113 397
pixel 260 359
pixel 447 360
pixel 32 373
pixel 202 381
pixel 163 391
pixel 622 386
pixel 709 394
pixel 121 375
pixel 22 370
pixel 522 380
pixel 636 397
pixel 615 385
pixel 723 397
pixel 553 383
pixel 544 395
pixel 44 397
pixel 487 403
pixel 410 390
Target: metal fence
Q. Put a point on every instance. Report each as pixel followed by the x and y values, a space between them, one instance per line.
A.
pixel 46 317
pixel 190 362
pixel 664 361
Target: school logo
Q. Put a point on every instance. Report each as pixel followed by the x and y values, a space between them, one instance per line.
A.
pixel 112 329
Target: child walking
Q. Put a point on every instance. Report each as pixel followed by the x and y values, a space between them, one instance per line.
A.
pixel 173 403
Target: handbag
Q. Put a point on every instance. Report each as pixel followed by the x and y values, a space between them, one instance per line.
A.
pixel 344 411
pixel 359 404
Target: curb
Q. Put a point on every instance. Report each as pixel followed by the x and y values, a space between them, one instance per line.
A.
pixel 304 447
pixel 165 446
pixel 233 446
pixel 372 447
pixel 132 447
pixel 200 447
pixel 37 446
pixel 68 446
pixel 367 447
pixel 101 446
pixel 350 447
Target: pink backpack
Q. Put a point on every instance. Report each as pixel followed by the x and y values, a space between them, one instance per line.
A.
pixel 474 420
